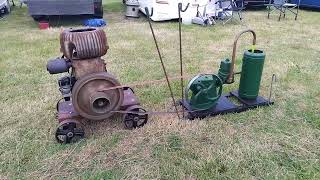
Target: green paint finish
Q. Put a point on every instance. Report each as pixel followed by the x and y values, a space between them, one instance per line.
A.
pixel 252 67
pixel 224 70
pixel 205 91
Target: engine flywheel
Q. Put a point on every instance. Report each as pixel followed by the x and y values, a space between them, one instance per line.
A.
pixel 91 102
pixel 204 91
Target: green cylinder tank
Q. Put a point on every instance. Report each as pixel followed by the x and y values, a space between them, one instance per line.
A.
pixel 252 67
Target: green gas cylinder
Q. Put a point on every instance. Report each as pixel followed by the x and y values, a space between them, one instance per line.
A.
pixel 252 67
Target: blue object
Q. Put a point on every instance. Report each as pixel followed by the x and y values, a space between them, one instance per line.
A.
pixel 308 3
pixel 95 22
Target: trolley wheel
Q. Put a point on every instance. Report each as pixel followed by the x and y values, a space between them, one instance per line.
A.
pixel 69 131
pixel 135 120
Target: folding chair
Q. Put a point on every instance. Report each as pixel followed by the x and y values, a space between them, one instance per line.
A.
pixel 233 6
pixel 203 18
pixel 283 6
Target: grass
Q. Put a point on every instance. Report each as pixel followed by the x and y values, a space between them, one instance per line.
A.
pixel 277 142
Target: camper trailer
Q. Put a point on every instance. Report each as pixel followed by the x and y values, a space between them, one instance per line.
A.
pixel 168 9
pixel 162 9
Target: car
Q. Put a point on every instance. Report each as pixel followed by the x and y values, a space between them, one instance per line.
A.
pixel 39 9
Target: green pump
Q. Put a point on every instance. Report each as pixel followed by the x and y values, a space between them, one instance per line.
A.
pixel 204 90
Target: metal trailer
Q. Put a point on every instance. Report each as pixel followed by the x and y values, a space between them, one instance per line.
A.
pixel 39 9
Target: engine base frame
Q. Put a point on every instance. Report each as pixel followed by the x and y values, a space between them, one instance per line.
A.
pixel 225 106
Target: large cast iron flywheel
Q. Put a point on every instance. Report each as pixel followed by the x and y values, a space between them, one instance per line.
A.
pixel 93 103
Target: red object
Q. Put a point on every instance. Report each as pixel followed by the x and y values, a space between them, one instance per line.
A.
pixel 43 25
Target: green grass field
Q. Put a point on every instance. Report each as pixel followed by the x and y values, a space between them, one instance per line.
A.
pixel 276 142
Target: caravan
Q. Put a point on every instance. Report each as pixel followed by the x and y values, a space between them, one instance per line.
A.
pixel 168 9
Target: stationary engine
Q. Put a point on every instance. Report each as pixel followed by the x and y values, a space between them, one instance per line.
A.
pixel 203 95
pixel 89 91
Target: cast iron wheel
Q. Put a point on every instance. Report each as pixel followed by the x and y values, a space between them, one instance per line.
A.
pixel 69 131
pixel 132 120
pixel 85 43
pixel 89 99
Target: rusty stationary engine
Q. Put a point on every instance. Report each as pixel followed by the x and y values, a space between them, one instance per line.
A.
pixel 87 86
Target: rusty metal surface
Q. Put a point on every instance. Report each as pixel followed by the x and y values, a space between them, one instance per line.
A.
pixel 87 66
pixel 230 78
pixel 129 99
pixel 90 102
pixel 66 111
pixel 83 43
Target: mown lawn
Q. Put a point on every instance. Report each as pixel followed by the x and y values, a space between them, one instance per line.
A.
pixel 276 142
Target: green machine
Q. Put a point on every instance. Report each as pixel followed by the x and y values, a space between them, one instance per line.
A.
pixel 252 67
pixel 203 95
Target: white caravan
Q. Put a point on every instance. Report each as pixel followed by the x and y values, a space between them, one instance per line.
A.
pixel 168 9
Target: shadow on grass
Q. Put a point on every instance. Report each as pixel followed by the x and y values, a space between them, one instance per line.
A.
pixel 57 21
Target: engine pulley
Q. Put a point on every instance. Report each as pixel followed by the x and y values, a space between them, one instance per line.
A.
pixel 91 101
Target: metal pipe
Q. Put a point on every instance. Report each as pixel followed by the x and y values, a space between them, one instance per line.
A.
pixel 180 52
pixel 230 78
pixel 162 64
pixel 273 80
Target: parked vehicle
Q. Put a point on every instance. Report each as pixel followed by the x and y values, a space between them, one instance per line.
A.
pixel 40 9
